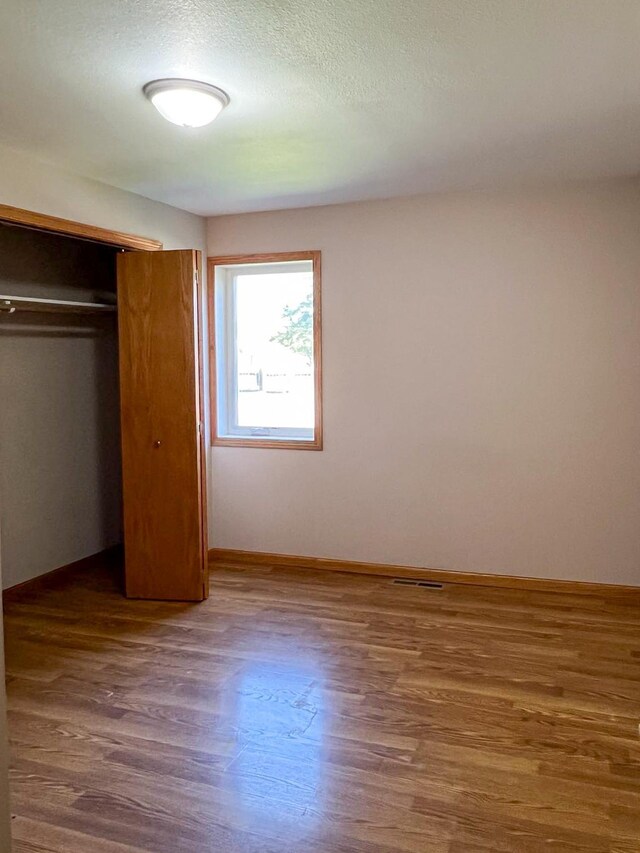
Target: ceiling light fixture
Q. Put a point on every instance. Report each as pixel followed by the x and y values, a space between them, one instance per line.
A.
pixel 188 103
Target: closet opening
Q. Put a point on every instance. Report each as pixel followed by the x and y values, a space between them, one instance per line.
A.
pixel 60 457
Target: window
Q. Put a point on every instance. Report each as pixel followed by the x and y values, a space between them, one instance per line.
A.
pixel 266 348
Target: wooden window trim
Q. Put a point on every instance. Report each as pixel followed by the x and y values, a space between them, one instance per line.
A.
pixel 277 257
pixel 69 228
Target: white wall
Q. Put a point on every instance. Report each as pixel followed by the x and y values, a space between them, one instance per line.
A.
pixel 481 387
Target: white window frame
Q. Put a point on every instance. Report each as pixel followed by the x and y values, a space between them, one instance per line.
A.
pixel 224 273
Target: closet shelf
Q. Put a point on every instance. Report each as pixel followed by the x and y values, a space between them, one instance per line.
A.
pixel 9 304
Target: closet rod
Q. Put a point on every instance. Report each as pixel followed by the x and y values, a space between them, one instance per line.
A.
pixel 9 304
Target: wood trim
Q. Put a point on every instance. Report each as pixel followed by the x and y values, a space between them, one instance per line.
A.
pixel 202 444
pixel 230 556
pixel 317 347
pixel 69 228
pixel 264 258
pixel 109 556
pixel 278 257
pixel 269 444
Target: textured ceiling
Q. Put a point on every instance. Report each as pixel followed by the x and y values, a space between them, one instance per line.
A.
pixel 332 100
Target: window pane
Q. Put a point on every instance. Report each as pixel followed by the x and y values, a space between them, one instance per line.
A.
pixel 274 349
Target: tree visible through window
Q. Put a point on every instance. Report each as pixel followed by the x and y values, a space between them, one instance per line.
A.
pixel 297 335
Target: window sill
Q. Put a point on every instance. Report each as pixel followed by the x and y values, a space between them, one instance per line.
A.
pixel 268 443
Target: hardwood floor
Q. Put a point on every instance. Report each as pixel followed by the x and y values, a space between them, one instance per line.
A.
pixel 306 711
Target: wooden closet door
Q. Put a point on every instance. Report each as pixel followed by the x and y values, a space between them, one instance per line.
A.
pixel 159 324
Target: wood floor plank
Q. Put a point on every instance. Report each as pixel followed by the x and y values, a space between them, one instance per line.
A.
pixel 322 713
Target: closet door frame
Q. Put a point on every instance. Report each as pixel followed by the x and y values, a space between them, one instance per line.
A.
pixel 70 228
pixel 125 241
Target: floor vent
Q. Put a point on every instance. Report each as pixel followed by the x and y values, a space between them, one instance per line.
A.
pixel 425 584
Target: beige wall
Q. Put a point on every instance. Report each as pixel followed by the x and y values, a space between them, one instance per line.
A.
pixel 5 810
pixel 33 185
pixel 481 379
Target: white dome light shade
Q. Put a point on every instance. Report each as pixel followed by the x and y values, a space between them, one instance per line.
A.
pixel 188 103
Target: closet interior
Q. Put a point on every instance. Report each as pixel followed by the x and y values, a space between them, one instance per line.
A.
pixel 67 408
